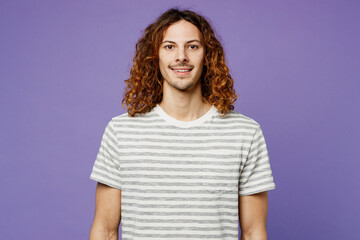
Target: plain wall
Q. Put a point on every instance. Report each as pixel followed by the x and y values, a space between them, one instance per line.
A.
pixel 62 71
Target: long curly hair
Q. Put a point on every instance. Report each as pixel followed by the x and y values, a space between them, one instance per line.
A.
pixel 145 84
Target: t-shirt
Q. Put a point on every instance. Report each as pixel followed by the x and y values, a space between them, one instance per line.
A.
pixel 181 180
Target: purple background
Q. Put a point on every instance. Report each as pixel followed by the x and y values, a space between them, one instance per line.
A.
pixel 62 70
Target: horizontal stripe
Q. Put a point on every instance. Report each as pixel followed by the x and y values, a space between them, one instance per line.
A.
pixel 172 213
pixel 134 140
pixel 182 179
pixel 179 162
pixel 188 228
pixel 179 220
pixel 177 235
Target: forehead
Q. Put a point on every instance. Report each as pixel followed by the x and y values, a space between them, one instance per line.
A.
pixel 182 31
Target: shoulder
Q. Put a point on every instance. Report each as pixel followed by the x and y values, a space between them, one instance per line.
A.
pixel 120 117
pixel 125 119
pixel 239 119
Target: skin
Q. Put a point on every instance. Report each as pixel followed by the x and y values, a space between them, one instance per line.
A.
pixel 253 215
pixel 182 99
pixel 107 213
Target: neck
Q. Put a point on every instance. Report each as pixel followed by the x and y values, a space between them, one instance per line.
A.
pixel 184 105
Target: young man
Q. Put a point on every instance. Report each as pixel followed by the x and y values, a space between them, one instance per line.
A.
pixel 181 163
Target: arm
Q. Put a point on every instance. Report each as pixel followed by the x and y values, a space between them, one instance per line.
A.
pixel 252 216
pixel 107 213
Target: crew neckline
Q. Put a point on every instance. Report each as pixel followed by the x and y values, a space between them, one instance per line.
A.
pixel 185 124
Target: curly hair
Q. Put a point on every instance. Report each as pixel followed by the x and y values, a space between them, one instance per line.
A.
pixel 145 84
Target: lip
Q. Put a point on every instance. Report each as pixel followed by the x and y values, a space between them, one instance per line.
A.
pixel 181 73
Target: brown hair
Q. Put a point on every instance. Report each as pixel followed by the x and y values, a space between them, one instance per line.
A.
pixel 144 87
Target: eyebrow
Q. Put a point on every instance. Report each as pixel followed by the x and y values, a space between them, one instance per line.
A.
pixel 194 40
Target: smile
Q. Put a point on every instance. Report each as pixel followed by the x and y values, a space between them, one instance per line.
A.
pixel 181 72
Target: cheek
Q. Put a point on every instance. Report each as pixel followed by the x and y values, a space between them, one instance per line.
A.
pixel 163 60
pixel 162 64
pixel 199 58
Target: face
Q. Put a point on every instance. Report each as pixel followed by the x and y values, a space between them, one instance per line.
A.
pixel 181 56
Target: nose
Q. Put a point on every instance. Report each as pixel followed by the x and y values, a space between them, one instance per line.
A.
pixel 182 55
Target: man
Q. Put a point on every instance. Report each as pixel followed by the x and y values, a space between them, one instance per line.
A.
pixel 181 163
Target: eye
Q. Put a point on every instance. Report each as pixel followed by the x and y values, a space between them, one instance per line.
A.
pixel 167 47
pixel 194 46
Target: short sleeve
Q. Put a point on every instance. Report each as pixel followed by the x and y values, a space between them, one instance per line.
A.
pixel 256 175
pixel 106 168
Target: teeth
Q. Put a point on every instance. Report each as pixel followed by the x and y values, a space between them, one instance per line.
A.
pixel 182 70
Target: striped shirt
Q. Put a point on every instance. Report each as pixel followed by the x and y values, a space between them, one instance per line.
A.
pixel 181 180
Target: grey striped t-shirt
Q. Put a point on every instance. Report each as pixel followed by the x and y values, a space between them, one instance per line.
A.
pixel 181 180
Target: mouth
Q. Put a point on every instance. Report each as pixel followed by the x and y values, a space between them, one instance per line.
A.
pixel 181 71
